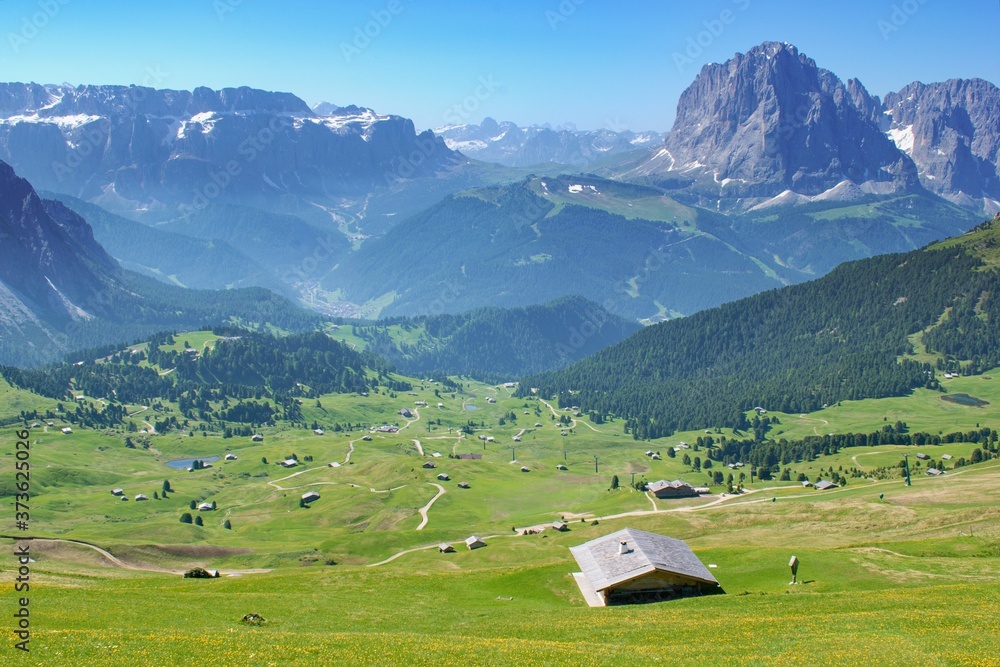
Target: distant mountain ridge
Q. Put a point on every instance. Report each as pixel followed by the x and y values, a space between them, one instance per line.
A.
pixel 769 127
pixel 508 144
pixel 132 148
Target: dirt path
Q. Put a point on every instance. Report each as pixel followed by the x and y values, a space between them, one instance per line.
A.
pixel 855 457
pixel 416 418
pixel 572 419
pixel 114 560
pixel 814 419
pixel 420 448
pixel 350 450
pixel 423 510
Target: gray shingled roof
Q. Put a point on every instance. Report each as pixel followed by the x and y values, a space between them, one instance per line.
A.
pixel 663 484
pixel 604 567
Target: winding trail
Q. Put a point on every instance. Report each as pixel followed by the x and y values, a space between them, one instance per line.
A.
pixel 855 457
pixel 714 504
pixel 420 448
pixel 572 419
pixel 814 419
pixel 416 418
pixel 114 560
pixel 423 510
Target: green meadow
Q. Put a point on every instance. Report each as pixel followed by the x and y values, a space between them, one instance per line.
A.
pixel 890 574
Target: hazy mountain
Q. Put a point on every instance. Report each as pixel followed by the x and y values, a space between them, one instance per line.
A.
pixel 496 343
pixel 513 146
pixel 171 257
pixel 60 290
pixel 629 248
pixel 844 336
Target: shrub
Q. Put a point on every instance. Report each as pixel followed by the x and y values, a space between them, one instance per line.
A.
pixel 186 517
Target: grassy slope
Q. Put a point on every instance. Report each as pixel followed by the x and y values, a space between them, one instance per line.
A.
pixel 887 579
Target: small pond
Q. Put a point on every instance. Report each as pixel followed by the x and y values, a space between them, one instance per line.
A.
pixel 470 408
pixel 965 399
pixel 184 464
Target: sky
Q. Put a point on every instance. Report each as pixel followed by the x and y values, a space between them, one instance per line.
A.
pixel 589 63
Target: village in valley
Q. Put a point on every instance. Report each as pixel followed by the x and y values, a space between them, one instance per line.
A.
pixel 454 477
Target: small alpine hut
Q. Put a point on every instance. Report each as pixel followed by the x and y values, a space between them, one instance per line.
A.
pixel 474 542
pixel 310 497
pixel 633 566
pixel 825 484
pixel 445 548
pixel 675 489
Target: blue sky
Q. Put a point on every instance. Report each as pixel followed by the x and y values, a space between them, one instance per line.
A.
pixel 593 63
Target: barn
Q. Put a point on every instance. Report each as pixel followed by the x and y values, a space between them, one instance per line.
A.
pixel 632 566
pixel 675 489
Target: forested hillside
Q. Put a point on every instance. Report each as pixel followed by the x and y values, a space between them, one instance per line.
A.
pixel 497 344
pixel 844 336
pixel 245 377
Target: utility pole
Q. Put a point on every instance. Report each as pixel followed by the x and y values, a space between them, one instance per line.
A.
pixel 906 468
pixel 595 463
pixel 512 450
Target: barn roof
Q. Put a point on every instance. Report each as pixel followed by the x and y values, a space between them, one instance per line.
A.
pixel 663 484
pixel 605 567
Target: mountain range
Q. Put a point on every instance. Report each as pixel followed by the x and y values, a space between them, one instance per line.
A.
pixel 774 172
pixel 770 127
pixel 508 144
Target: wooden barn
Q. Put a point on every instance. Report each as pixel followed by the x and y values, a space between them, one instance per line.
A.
pixel 632 566
pixel 675 489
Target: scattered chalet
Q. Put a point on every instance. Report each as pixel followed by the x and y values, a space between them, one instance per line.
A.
pixel 445 548
pixel 825 484
pixel 310 496
pixel 675 489
pixel 474 542
pixel 633 566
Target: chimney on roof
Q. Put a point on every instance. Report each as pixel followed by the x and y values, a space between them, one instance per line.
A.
pixel 623 548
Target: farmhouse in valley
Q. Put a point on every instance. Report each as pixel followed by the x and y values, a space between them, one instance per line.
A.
pixel 632 566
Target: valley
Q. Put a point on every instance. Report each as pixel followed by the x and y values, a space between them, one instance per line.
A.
pixel 373 533
pixel 306 359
